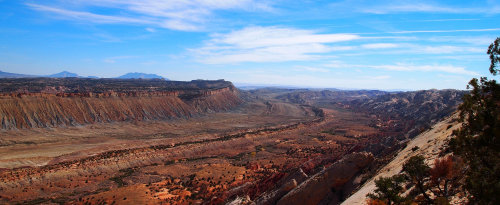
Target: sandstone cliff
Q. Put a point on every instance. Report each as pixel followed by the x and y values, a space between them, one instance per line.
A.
pixel 325 187
pixel 327 182
pixel 48 103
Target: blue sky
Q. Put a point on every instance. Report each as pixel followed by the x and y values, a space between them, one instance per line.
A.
pixel 342 44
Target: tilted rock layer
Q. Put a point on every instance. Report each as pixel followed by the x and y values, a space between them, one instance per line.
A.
pixel 50 106
pixel 318 187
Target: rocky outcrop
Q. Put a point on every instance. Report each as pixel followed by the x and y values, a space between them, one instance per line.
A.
pixel 427 106
pixel 321 186
pixel 215 100
pixel 51 106
pixel 311 97
pixel 296 177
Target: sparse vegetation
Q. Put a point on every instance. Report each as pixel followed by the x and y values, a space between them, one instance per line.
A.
pixel 119 179
pixel 426 185
pixel 388 190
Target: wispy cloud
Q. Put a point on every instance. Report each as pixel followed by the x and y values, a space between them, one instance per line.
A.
pixel 379 45
pixel 443 20
pixel 381 7
pixel 256 36
pixel 415 7
pixel 406 49
pixel 426 7
pixel 474 40
pixel 176 15
pixel 444 49
pixel 311 69
pixel 268 44
pixel 82 15
pixel 405 67
pixel 445 31
pixel 420 31
pixel 342 48
pixel 424 68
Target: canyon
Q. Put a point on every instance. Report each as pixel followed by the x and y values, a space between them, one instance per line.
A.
pixel 111 141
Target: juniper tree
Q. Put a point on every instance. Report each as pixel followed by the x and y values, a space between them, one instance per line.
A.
pixel 417 171
pixel 477 141
pixel 388 189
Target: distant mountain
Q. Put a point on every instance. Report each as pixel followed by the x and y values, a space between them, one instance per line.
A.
pixel 67 74
pixel 136 75
pixel 64 74
pixel 13 75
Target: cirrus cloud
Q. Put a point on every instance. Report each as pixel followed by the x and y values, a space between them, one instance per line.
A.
pixel 425 68
pixel 268 44
pixel 379 45
pixel 174 14
pixel 405 67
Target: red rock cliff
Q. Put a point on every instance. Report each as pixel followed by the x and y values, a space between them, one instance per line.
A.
pixel 28 110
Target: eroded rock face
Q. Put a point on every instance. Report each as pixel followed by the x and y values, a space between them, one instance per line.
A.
pixel 275 195
pixel 287 184
pixel 71 104
pixel 318 187
pixel 421 107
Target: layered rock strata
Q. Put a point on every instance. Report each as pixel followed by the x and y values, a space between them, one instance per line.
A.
pixel 320 186
pixel 72 105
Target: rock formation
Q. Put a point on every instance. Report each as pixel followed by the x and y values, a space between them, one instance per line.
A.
pixel 329 96
pixel 38 103
pixel 427 106
pixel 323 187
pixel 318 187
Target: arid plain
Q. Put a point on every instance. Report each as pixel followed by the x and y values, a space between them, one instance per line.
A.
pixel 260 148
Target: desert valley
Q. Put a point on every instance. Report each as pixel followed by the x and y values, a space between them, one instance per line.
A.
pixel 138 141
pixel 249 102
